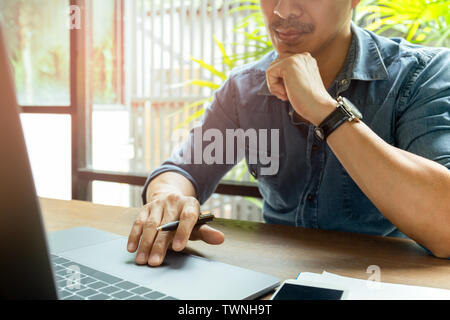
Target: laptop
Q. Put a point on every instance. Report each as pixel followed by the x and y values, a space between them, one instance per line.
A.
pixel 85 263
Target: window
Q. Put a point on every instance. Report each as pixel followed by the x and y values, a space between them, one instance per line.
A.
pixel 48 143
pixel 41 71
pixel 41 74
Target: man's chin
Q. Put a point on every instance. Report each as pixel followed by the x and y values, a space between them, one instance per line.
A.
pixel 283 51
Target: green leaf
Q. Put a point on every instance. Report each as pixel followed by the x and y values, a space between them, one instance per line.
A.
pixel 244 8
pixel 210 68
pixel 204 83
pixel 419 21
pixel 413 30
pixel 225 56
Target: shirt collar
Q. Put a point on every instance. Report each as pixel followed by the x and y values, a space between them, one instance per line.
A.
pixel 368 61
pixel 364 61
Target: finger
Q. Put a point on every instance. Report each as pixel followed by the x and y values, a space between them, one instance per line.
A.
pixel 207 234
pixel 136 230
pixel 275 62
pixel 275 82
pixel 282 56
pixel 149 233
pixel 159 249
pixel 281 96
pixel 284 97
pixel 188 219
pixel 163 238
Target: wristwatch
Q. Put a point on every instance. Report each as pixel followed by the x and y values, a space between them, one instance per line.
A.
pixel 345 111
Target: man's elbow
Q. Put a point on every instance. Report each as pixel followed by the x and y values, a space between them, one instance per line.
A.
pixel 437 244
pixel 441 250
pixel 440 237
pixel 443 254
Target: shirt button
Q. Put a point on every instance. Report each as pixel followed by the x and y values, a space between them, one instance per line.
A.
pixel 315 147
pixel 310 197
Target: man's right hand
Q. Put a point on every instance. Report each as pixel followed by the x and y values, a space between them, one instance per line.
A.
pixel 152 245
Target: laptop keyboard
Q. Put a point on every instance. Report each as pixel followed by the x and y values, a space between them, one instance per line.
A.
pixel 77 282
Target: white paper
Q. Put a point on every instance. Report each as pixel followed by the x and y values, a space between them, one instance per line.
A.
pixel 370 290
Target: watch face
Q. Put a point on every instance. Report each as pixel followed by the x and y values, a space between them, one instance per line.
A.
pixel 352 108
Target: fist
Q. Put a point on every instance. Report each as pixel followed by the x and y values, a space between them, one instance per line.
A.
pixel 297 78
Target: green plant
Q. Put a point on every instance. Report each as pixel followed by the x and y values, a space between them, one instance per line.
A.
pixel 257 40
pixel 425 22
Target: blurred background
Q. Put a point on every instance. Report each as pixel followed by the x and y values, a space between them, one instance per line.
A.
pixel 105 84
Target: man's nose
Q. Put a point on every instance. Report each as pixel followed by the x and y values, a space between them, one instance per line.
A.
pixel 286 8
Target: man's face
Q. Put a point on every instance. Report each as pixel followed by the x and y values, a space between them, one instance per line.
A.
pixel 297 26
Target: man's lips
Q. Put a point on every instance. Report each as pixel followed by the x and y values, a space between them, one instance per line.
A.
pixel 289 35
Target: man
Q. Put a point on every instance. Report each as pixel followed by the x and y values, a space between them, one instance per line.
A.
pixel 384 174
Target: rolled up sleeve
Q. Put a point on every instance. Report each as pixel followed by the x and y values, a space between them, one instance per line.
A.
pixel 423 127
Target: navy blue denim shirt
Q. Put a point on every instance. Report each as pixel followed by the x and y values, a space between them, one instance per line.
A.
pixel 403 92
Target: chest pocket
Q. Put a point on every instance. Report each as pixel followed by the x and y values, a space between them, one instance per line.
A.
pixel 269 178
pixel 265 167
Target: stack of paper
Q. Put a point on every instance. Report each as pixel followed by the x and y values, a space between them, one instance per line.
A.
pixel 370 290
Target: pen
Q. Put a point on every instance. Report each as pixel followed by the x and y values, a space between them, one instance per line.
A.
pixel 202 219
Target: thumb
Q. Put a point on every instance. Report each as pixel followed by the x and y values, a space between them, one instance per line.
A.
pixel 207 234
pixel 275 81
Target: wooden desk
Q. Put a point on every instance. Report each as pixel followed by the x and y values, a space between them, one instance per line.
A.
pixel 278 250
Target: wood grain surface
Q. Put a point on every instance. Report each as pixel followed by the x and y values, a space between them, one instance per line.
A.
pixel 282 251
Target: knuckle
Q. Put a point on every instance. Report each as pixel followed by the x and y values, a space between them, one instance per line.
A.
pixel 138 223
pixel 155 203
pixel 193 200
pixel 144 246
pixel 159 245
pixel 193 203
pixel 151 224
pixel 189 215
pixel 147 205
pixel 173 197
pixel 163 237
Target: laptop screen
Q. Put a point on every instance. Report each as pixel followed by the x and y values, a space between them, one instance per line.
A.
pixel 25 271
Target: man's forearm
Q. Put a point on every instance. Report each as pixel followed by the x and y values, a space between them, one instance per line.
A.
pixel 410 191
pixel 170 182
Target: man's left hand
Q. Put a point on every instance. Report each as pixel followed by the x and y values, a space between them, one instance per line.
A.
pixel 297 78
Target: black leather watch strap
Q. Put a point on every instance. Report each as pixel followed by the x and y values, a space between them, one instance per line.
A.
pixel 331 123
